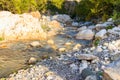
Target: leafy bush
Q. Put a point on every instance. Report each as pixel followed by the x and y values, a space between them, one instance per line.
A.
pixel 83 9
pixel 42 5
pixel 18 6
pixel 55 6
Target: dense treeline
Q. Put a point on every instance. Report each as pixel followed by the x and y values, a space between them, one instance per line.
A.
pixel 85 9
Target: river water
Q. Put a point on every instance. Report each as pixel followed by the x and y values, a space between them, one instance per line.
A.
pixel 13 55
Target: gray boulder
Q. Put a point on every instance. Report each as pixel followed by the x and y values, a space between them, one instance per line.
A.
pixel 87 34
pixel 111 72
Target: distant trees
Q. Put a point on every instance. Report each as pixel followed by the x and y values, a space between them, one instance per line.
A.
pixel 98 9
pixel 18 6
pixel 85 9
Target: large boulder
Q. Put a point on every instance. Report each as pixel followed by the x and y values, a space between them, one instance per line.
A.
pixel 36 14
pixel 111 72
pixel 101 33
pixel 87 34
pixel 5 13
pixel 103 25
pixel 55 25
pixel 115 30
pixel 61 18
pixel 24 26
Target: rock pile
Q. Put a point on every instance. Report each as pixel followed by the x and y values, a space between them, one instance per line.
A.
pixel 26 26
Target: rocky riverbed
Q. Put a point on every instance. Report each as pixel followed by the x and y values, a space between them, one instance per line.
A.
pixel 80 51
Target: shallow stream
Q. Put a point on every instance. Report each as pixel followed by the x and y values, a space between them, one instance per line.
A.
pixel 13 55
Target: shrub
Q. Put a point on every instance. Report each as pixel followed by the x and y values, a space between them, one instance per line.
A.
pixel 42 5
pixel 18 6
pixel 96 41
pixel 55 6
pixel 1 39
pixel 109 27
pixel 83 9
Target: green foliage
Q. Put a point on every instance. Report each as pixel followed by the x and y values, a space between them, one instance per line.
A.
pixel 109 27
pixel 18 6
pixel 83 9
pixel 1 39
pixel 96 41
pixel 104 17
pixel 116 15
pixel 55 6
pixel 88 9
pixel 42 5
pixel 45 27
pixel 117 22
pixel 3 79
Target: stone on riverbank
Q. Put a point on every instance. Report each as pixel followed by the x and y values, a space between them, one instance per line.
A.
pixel 24 26
pixel 85 34
pixel 101 33
pixel 61 18
pixel 111 72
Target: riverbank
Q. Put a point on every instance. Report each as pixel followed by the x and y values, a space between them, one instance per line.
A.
pixel 77 51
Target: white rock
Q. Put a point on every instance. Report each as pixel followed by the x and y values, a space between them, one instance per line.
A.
pixel 105 24
pixel 106 44
pixel 61 18
pixel 91 27
pixel 86 57
pixel 111 71
pixel 5 13
pixel 100 25
pixel 74 66
pixel 98 49
pixel 110 20
pixel 85 34
pixel 82 28
pixel 111 46
pixel 24 26
pixel 50 41
pixel 114 45
pixel 101 33
pixel 32 60
pixel 35 44
pixel 91 77
pixel 76 47
pixel 68 43
pixel 75 24
pixel 62 49
pixel 83 65
pixel 115 30
pixel 92 48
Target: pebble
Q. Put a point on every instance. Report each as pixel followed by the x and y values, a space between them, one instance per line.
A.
pixel 68 43
pixel 86 57
pixel 62 49
pixel 74 67
pixel 83 66
pixel 76 47
pixel 51 42
pixel 35 44
pixel 32 60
